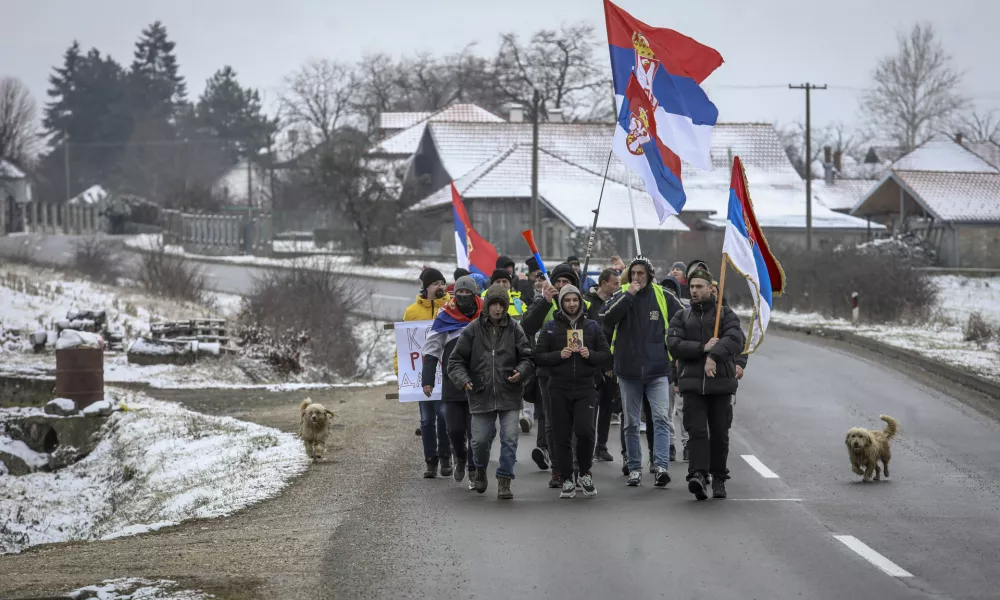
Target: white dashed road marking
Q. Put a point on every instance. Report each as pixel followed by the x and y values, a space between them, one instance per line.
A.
pixel 766 499
pixel 883 563
pixel 758 466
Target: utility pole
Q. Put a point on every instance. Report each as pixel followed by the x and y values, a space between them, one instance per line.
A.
pixel 66 163
pixel 808 87
pixel 535 102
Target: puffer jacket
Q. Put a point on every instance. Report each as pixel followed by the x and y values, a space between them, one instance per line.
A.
pixel 573 371
pixel 424 309
pixel 485 355
pixel 689 331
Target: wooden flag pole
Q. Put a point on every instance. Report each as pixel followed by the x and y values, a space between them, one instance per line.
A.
pixel 722 289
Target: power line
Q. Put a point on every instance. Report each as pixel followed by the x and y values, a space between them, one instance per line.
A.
pixel 808 87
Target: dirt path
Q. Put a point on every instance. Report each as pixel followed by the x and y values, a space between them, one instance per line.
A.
pixel 274 549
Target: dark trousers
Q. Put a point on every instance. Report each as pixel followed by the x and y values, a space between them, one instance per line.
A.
pixel 573 414
pixel 602 416
pixel 543 417
pixel 434 430
pixel 647 414
pixel 459 420
pixel 707 420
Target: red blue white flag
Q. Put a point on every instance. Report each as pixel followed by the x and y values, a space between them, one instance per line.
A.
pixel 473 252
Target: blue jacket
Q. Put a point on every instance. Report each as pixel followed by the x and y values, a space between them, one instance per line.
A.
pixel 640 347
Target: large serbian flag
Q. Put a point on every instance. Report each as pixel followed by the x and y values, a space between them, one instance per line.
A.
pixel 663 114
pixel 746 250
pixel 473 252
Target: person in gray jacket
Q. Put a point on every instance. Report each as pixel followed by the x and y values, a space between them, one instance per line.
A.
pixel 490 360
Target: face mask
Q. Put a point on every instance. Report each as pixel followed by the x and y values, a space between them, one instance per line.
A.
pixel 466 304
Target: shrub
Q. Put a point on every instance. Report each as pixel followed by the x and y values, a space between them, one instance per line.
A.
pixel 298 312
pixel 171 275
pixel 96 259
pixel 978 330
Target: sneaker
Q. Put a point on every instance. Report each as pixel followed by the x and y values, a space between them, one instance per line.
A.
pixel 432 467
pixel 652 468
pixel 718 488
pixel 472 481
pixel 685 454
pixel 696 485
pixel 634 478
pixel 481 482
pixel 556 481
pixel 568 490
pixel 673 453
pixel 459 470
pixel 604 455
pixel 446 468
pixel 587 482
pixel 576 479
pixel 538 455
pixel 525 423
pixel 616 419
pixel 662 478
pixel 503 489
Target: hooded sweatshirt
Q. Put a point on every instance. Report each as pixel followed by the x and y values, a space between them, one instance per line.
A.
pixel 574 371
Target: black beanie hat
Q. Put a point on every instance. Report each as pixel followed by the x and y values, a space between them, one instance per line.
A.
pixel 564 270
pixel 429 276
pixel 498 275
pixel 459 272
pixel 504 262
pixel 532 264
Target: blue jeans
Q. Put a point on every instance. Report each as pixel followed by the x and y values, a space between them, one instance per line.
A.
pixel 483 432
pixel 434 429
pixel 657 392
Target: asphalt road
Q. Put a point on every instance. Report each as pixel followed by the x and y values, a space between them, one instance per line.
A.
pixel 936 521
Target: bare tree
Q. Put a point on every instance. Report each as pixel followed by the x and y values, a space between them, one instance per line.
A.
pixel 379 80
pixel 321 97
pixel 916 90
pixel 981 127
pixel 560 65
pixel 18 121
pixel 837 136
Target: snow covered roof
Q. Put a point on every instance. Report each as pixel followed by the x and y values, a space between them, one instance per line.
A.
pixel 843 194
pixel 943 154
pixel 92 195
pixel 401 120
pixel 955 196
pixel 9 171
pixel 567 189
pixel 407 141
pixel 988 151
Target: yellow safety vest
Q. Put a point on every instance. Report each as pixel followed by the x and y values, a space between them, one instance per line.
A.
pixel 661 301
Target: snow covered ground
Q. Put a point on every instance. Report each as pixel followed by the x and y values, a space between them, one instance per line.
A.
pixel 159 464
pixel 409 271
pixel 32 298
pixel 942 338
pixel 136 589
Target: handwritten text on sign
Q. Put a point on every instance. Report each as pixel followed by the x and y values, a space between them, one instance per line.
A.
pixel 410 337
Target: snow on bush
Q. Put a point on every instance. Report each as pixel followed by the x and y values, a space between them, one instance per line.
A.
pixel 158 464
pixel 135 588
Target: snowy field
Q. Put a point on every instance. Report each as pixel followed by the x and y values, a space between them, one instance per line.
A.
pixel 943 337
pixel 32 298
pixel 136 589
pixel 158 464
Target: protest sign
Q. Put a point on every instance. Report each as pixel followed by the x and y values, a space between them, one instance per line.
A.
pixel 410 337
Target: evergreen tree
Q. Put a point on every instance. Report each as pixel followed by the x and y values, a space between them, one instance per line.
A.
pixel 158 88
pixel 234 115
pixel 62 85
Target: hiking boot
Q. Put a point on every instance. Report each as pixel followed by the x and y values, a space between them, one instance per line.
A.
pixel 459 470
pixel 432 467
pixel 634 478
pixel 568 490
pixel 556 481
pixel 696 485
pixel 604 455
pixel 684 454
pixel 525 423
pixel 587 483
pixel 718 488
pixel 662 478
pixel 481 482
pixel 538 455
pixel 503 488
pixel 673 453
pixel 446 469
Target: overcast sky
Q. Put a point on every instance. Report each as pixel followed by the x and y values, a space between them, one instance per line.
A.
pixel 766 45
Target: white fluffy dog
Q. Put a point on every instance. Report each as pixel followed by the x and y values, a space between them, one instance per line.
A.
pixel 314 426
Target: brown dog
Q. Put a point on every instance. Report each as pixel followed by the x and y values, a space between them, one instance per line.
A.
pixel 867 446
pixel 314 426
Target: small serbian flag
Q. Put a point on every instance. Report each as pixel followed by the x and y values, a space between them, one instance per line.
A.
pixel 746 250
pixel 473 252
pixel 663 114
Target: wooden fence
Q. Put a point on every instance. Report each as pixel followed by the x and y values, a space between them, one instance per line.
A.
pixel 53 218
pixel 218 235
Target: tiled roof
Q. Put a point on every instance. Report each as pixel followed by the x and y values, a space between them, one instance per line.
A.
pixel 569 190
pixel 944 155
pixel 406 142
pixel 9 171
pixel 956 196
pixel 401 120
pixel 844 194
pixel 988 151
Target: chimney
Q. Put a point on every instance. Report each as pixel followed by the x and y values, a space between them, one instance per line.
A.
pixel 516 113
pixel 838 163
pixel 958 137
pixel 826 154
pixel 555 115
pixel 827 166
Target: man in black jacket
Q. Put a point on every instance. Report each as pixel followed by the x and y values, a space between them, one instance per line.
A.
pixel 572 375
pixel 706 376
pixel 640 313
pixel 489 361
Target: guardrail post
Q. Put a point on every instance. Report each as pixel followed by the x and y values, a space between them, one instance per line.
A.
pixel 855 311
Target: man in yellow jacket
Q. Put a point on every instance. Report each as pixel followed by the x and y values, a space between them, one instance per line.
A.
pixel 433 429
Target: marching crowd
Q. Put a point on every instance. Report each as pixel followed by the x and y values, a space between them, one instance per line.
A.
pixel 568 358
